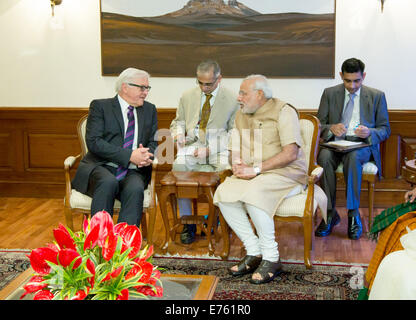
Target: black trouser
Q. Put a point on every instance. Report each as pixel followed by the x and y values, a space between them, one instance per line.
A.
pixel 104 188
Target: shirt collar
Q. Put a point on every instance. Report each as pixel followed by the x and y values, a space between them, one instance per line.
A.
pixel 214 93
pixel 357 93
pixel 123 104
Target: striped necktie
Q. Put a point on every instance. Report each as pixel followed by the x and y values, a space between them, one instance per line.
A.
pixel 128 142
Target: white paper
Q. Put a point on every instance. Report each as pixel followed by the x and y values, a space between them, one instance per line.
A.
pixel 186 151
pixel 344 143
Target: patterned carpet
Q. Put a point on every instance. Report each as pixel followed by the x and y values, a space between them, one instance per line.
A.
pixel 323 282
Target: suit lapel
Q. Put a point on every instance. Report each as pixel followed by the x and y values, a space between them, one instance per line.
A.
pixel 364 105
pixel 339 102
pixel 140 123
pixel 218 101
pixel 118 115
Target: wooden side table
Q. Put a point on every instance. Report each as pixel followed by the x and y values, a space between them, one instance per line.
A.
pixel 409 171
pixel 185 184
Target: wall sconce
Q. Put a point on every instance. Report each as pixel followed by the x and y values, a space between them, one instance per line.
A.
pixel 53 4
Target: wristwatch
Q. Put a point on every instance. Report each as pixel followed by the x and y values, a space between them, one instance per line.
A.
pixel 257 170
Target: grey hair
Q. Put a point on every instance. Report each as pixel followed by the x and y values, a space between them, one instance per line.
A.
pixel 208 65
pixel 261 83
pixel 128 75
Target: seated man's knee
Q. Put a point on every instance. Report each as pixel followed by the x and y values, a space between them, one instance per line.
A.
pixel 179 164
pixel 324 157
pixel 108 183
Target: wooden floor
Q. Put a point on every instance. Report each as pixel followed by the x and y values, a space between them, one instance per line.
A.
pixel 28 223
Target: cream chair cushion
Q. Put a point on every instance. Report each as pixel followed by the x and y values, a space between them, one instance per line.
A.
pixel 79 200
pixel 368 168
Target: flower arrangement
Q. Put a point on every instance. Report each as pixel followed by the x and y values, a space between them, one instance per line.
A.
pixel 102 262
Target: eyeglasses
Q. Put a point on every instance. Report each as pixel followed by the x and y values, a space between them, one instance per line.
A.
pixel 143 88
pixel 206 84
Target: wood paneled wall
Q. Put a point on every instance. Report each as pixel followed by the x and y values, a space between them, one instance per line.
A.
pixel 35 141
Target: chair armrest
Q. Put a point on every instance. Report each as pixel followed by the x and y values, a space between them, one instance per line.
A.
pixel 316 174
pixel 155 163
pixel 70 161
pixel 224 174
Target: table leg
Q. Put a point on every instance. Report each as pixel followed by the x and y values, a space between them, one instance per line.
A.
pixel 163 194
pixel 211 215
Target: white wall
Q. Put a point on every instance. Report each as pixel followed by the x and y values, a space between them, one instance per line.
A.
pixel 60 66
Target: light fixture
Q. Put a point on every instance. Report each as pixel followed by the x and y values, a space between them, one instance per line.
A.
pixel 53 4
pixel 382 5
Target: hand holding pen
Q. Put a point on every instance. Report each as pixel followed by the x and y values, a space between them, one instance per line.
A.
pixel 361 131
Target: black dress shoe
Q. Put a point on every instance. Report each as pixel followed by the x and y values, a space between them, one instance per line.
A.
pixel 325 229
pixel 355 227
pixel 188 233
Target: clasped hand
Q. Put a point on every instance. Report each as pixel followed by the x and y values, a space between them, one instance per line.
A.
pixel 141 157
pixel 360 131
pixel 242 170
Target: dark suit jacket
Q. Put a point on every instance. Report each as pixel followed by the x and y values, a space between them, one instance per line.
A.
pixel 373 114
pixel 105 138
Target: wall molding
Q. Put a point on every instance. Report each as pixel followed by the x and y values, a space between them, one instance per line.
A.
pixel 36 140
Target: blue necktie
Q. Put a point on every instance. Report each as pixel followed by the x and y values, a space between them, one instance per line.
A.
pixel 128 142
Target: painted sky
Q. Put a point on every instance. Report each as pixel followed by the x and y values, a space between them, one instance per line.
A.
pixel 151 8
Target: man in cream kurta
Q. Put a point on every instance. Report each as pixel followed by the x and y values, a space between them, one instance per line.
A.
pixel 203 149
pixel 268 163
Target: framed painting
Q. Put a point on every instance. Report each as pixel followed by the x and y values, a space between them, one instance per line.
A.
pixel 168 38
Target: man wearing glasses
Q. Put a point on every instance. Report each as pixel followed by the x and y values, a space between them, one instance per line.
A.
pixel 204 117
pixel 120 136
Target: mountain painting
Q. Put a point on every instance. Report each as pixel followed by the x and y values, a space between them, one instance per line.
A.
pixel 288 44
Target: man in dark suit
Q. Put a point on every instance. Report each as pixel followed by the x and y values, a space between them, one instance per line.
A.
pixel 120 136
pixel 350 111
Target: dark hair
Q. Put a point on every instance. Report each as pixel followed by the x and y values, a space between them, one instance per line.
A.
pixel 352 65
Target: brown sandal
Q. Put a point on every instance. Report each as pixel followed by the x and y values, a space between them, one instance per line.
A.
pixel 247 265
pixel 265 268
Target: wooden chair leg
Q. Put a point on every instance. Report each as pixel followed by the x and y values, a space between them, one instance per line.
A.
pixel 68 218
pixel 152 219
pixel 370 203
pixel 143 225
pixel 307 241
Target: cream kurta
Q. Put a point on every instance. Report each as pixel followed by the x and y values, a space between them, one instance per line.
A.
pixel 258 137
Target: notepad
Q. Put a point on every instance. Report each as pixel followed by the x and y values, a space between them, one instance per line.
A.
pixel 344 143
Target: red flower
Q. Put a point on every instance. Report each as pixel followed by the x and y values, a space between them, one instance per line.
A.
pixel 124 295
pixel 146 268
pixel 43 295
pixel 149 252
pixel 91 268
pixel 63 238
pixel 113 274
pixel 38 258
pixel 148 291
pixel 81 295
pixel 119 227
pixel 105 223
pixel 109 246
pixel 33 285
pixel 132 238
pixel 92 238
pixel 66 256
